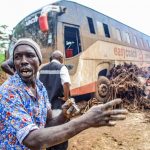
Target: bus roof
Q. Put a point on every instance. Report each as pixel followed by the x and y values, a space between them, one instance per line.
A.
pixel 67 1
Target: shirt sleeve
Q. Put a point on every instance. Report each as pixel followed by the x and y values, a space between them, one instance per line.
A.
pixel 48 104
pixel 15 116
pixel 64 75
pixel 38 75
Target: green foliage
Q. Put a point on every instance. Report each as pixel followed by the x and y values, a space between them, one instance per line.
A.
pixel 4 41
pixel 4 37
pixel 2 57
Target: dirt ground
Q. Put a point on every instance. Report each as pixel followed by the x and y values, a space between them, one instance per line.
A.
pixel 130 134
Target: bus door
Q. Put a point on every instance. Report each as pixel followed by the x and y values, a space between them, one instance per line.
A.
pixel 72 41
pixel 72 46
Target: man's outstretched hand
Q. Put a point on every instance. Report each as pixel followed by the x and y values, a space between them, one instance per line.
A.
pixel 104 114
pixel 98 115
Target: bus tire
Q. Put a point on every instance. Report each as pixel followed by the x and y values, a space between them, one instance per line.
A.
pixel 102 89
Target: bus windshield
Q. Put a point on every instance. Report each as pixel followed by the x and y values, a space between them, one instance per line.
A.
pixel 29 28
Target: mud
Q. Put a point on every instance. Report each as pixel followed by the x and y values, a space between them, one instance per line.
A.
pixel 130 134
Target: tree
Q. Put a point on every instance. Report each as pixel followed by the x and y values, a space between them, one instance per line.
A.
pixel 4 37
pixel 4 41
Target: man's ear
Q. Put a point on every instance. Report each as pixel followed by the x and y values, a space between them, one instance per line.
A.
pixel 61 59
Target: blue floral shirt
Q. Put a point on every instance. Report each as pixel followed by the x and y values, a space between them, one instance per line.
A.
pixel 20 112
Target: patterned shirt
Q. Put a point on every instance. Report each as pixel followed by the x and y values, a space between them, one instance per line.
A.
pixel 20 112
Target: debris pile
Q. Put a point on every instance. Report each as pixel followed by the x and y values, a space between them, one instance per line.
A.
pixel 128 87
pixel 86 105
pixel 127 82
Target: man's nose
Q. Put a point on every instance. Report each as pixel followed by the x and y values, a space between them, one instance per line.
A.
pixel 24 60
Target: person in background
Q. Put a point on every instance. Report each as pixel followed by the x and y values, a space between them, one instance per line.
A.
pixel 56 80
pixel 8 66
pixel 26 120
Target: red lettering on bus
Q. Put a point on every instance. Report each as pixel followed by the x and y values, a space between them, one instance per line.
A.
pixel 119 51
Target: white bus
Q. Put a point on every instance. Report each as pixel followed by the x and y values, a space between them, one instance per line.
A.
pixel 91 41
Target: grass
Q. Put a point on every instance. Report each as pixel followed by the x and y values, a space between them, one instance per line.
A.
pixel 2 57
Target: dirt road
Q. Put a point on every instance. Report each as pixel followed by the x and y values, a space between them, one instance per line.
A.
pixel 130 134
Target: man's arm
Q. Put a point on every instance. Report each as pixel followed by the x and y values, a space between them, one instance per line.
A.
pixel 60 119
pixel 97 116
pixel 54 135
pixel 66 82
pixel 7 66
pixel 66 87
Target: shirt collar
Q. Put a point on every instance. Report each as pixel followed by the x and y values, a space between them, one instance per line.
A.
pixel 22 85
pixel 55 60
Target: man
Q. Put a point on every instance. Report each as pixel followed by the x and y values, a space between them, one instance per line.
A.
pixel 8 66
pixel 26 117
pixel 56 80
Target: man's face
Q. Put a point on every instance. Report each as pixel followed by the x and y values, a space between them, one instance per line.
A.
pixel 26 62
pixel 61 59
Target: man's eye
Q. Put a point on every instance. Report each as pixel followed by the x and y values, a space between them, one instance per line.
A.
pixel 16 57
pixel 31 55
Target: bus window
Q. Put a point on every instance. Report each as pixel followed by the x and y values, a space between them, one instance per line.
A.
pixel 72 41
pixel 113 30
pixel 141 42
pixel 127 37
pixel 145 42
pixel 135 40
pixel 118 34
pixel 100 28
pixel 149 44
pixel 106 30
pixel 91 25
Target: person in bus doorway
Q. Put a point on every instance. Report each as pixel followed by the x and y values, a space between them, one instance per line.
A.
pixel 26 120
pixel 56 80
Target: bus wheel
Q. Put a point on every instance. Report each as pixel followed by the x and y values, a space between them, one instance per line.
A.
pixel 102 89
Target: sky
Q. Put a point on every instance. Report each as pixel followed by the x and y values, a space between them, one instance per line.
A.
pixel 134 13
